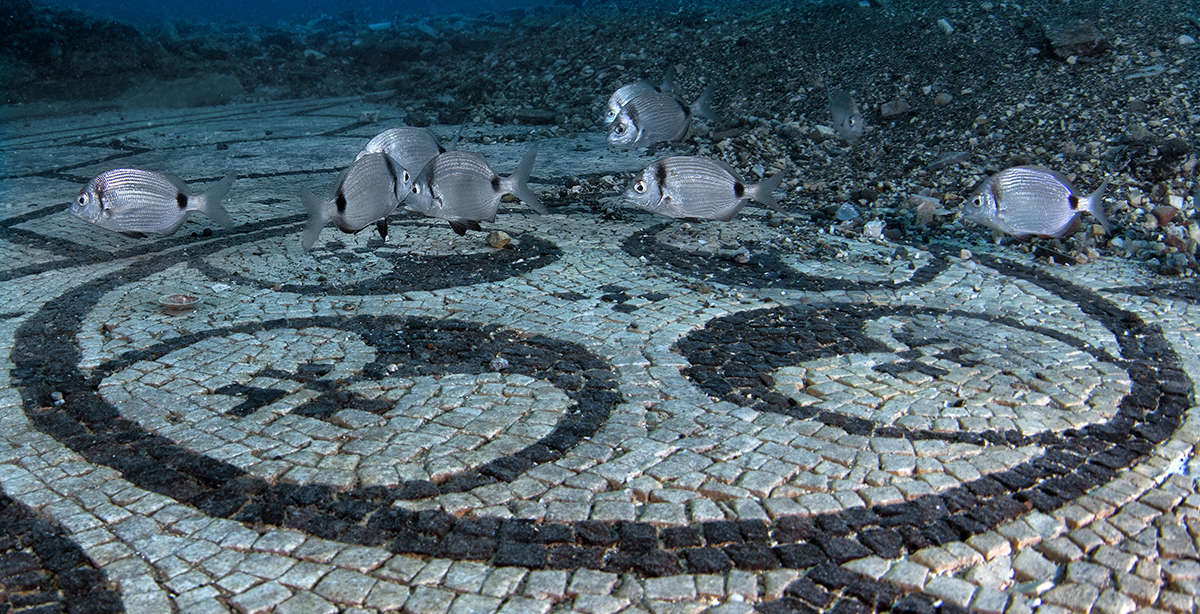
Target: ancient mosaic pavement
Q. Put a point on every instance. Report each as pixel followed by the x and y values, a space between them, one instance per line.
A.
pixel 612 413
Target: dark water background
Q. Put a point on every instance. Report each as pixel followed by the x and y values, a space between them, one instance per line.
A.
pixel 271 11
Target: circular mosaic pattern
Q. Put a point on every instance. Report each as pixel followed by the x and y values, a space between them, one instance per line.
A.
pixel 379 443
pixel 850 365
pixel 416 256
pixel 384 430
pixel 714 254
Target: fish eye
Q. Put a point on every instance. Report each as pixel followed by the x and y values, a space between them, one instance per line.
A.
pixel 640 187
pixel 851 121
pixel 620 129
pixel 405 175
pixel 416 189
pixel 82 199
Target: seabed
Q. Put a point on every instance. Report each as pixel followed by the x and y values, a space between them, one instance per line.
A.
pixel 613 413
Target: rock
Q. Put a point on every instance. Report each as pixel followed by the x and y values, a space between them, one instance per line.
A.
pixel 1185 40
pixel 499 363
pixel 942 99
pixel 537 117
pixel 894 108
pixel 498 239
pixel 313 54
pixel 1080 39
pixel 1164 214
pixel 846 212
pixel 945 26
pixel 873 229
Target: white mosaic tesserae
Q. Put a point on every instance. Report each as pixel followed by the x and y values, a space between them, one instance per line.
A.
pixel 610 413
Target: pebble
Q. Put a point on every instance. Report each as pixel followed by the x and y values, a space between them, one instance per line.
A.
pixel 499 363
pixel 945 26
pixel 965 254
pixel 873 229
pixel 1185 40
pixel 846 212
pixel 894 108
pixel 498 239
pixel 942 99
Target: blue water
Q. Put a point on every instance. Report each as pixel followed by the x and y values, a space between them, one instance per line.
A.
pixel 271 11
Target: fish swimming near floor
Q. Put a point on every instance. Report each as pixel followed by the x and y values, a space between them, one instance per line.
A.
pixel 411 147
pixel 654 117
pixel 1025 201
pixel 461 188
pixel 367 192
pixel 629 91
pixel 135 202
pixel 848 120
pixel 698 188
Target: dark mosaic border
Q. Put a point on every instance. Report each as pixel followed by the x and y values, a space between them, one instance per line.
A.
pixel 732 359
pixel 1183 291
pixel 411 271
pixel 42 570
pixel 765 270
pixel 1075 461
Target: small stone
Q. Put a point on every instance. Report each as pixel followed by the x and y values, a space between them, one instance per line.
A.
pixel 942 99
pixel 1185 40
pixel 368 117
pixel 946 26
pixel 894 108
pixel 498 239
pixel 965 254
pixel 1164 214
pixel 846 212
pixel 499 363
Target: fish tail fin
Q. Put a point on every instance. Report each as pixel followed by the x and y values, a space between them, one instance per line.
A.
pixel 703 106
pixel 1094 203
pixel 212 200
pixel 517 183
pixel 764 191
pixel 316 217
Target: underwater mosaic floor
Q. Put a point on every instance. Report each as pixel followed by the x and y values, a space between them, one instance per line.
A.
pixel 614 413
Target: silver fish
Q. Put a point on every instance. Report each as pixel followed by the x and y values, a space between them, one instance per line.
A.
pixel 629 91
pixel 653 117
pixel 1026 201
pixel 848 121
pixel 460 187
pixel 412 148
pixel 697 187
pixel 134 202
pixel 367 192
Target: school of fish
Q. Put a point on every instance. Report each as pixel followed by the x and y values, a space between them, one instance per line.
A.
pixel 406 167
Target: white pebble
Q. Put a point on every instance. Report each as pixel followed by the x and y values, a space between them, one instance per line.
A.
pixel 1185 40
pixel 945 25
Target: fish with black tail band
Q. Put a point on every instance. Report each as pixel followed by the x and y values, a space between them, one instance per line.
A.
pixel 848 121
pixel 460 187
pixel 1026 201
pixel 654 117
pixel 412 148
pixel 367 192
pixel 629 91
pixel 697 188
pixel 135 202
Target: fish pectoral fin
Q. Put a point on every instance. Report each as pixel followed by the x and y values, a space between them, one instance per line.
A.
pixel 382 227
pixel 459 228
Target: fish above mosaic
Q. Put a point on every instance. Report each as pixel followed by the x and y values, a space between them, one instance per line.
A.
pixel 693 187
pixel 1026 201
pixel 135 202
